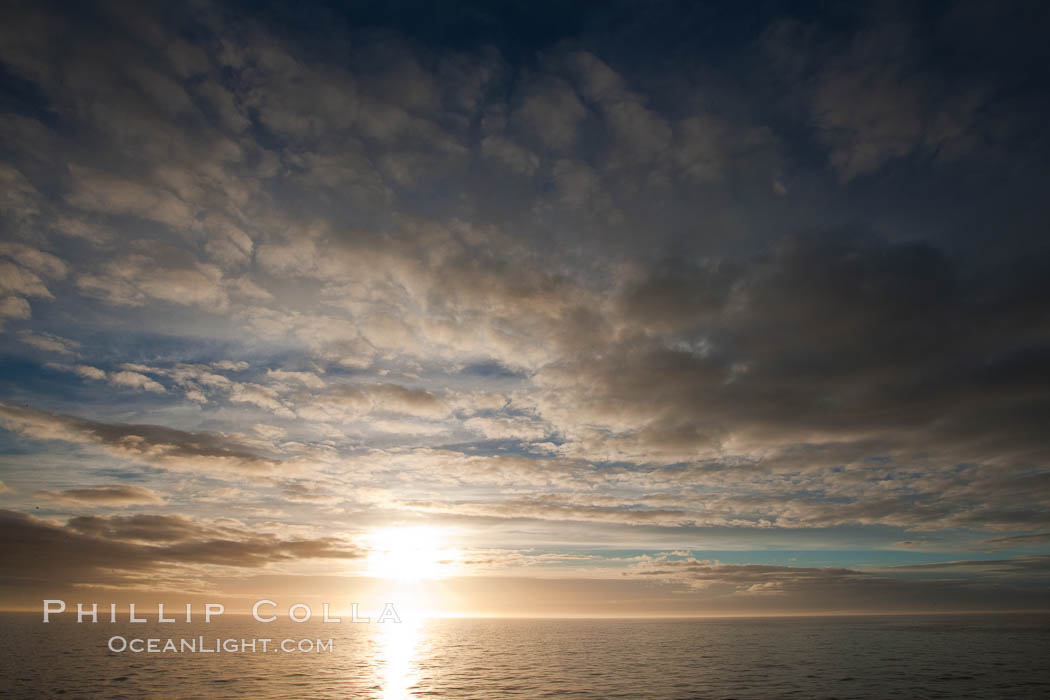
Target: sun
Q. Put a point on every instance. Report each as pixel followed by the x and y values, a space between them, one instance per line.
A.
pixel 410 553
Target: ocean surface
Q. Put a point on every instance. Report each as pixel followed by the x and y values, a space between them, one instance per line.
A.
pixel 972 656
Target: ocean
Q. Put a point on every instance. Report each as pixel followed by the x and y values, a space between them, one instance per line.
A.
pixel 966 656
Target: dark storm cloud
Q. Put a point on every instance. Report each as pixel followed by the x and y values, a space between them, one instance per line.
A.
pixel 99 550
pixel 828 351
pixel 836 334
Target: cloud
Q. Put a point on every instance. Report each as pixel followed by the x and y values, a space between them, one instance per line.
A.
pixel 116 494
pixel 102 192
pixel 198 382
pixel 829 588
pixel 874 98
pixel 19 282
pixel 89 372
pixel 261 396
pixel 832 349
pixel 305 492
pixel 551 112
pixel 1015 541
pixel 83 371
pixel 749 578
pixel 231 365
pixel 19 197
pixel 134 380
pixel 136 279
pixel 121 550
pixel 709 148
pixel 349 400
pixel 1023 565
pixel 541 508
pixel 308 379
pixel 14 307
pixel 544 281
pixel 36 260
pixel 49 342
pixel 500 428
pixel 141 528
pixel 456 468
pixel 153 444
pixel 510 154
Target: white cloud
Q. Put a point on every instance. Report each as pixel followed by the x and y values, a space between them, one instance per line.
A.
pixel 134 380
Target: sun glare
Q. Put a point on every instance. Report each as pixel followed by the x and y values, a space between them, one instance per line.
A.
pixel 406 558
pixel 417 553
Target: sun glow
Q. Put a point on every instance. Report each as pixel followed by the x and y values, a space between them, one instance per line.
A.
pixel 418 553
pixel 406 559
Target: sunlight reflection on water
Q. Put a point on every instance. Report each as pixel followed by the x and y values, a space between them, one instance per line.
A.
pixel 398 644
pixel 398 658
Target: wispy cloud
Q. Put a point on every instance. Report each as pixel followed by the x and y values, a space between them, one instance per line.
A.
pixel 116 494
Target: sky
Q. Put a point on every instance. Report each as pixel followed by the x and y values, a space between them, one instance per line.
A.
pixel 583 308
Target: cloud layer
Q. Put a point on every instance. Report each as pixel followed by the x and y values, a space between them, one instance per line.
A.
pixel 578 288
